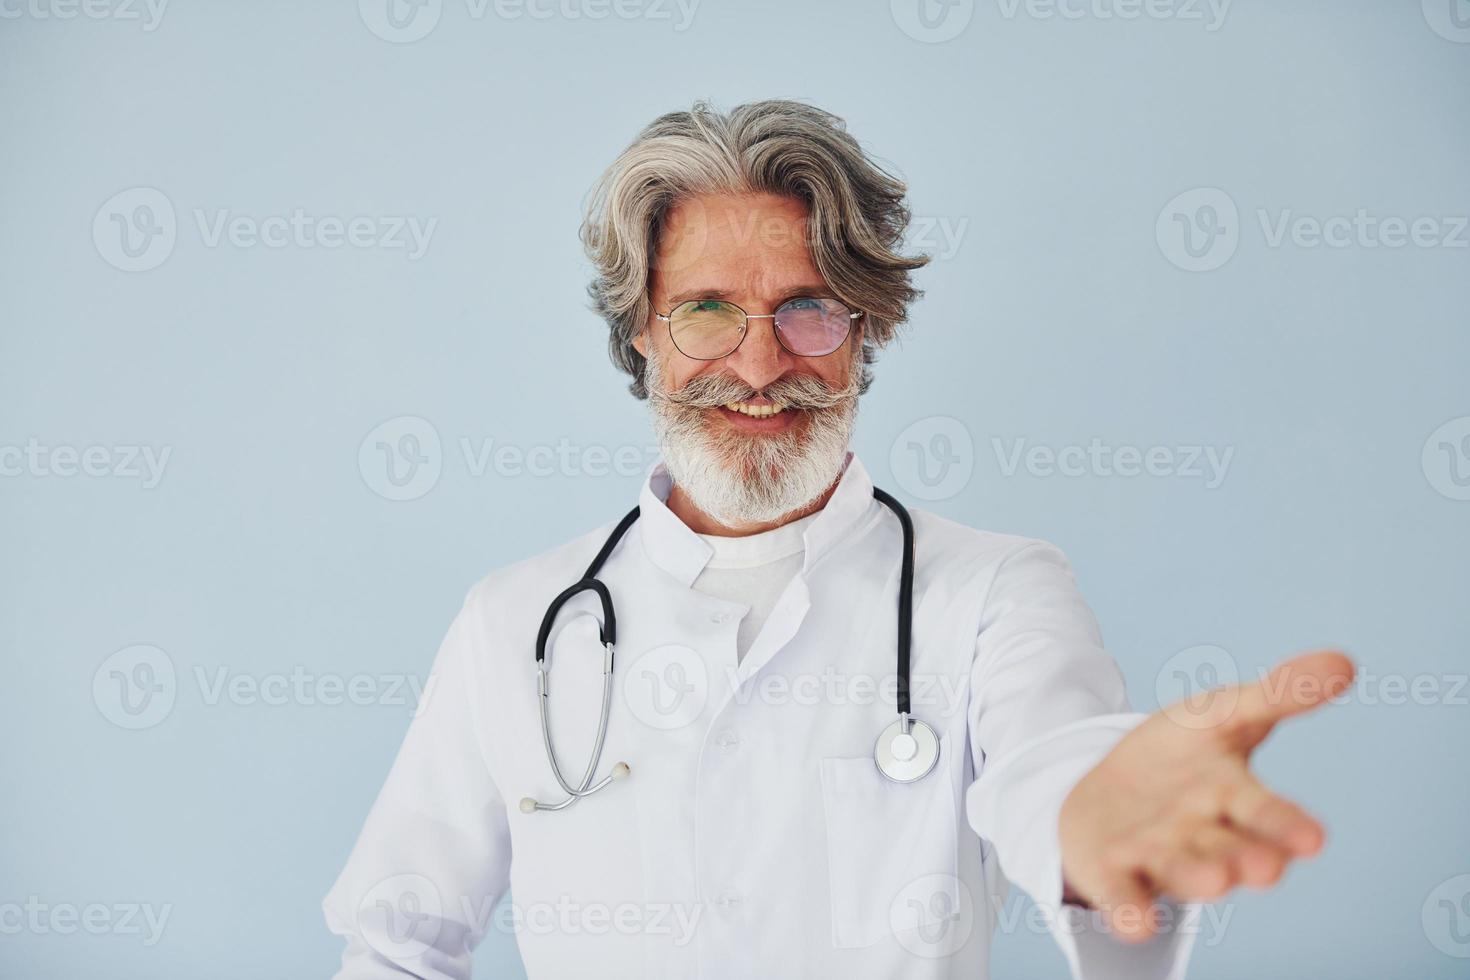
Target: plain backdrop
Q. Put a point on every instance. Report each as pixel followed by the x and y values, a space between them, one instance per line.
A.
pixel 205 261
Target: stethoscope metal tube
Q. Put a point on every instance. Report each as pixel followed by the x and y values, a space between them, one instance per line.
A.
pixel 582 788
pixel 907 750
pixel 586 787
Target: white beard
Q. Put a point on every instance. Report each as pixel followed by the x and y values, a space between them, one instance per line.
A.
pixel 742 479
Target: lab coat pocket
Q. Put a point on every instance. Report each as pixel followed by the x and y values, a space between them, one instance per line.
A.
pixel 883 840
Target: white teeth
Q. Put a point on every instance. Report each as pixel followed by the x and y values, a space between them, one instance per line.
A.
pixel 755 411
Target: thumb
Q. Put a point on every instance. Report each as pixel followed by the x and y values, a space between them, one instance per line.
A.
pixel 1293 687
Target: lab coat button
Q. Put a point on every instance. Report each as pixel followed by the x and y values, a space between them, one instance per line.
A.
pixel 727 740
pixel 728 900
pixel 719 617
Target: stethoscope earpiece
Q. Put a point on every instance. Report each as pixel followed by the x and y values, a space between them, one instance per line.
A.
pixel 619 771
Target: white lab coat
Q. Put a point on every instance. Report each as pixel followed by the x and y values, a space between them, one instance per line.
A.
pixel 755 836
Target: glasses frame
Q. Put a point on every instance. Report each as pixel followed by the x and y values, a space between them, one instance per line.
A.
pixel 852 316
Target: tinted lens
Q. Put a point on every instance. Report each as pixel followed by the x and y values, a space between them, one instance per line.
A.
pixel 706 328
pixel 813 327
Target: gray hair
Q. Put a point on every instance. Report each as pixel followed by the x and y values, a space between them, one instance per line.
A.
pixel 856 222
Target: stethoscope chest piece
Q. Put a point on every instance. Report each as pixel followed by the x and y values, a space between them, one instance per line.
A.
pixel 907 750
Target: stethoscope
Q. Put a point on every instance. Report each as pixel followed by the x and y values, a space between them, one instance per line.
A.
pixel 907 750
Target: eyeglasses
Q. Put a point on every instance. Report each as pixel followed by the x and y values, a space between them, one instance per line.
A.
pixel 709 329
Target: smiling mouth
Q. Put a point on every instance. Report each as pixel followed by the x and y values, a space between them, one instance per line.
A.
pixel 756 411
pixel 754 418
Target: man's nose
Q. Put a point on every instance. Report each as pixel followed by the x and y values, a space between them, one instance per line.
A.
pixel 760 358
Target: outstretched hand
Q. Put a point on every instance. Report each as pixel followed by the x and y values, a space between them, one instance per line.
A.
pixel 1174 809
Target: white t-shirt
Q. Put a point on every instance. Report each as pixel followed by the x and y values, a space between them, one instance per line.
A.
pixel 754 570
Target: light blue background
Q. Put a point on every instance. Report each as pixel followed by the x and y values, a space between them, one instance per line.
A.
pixel 1055 143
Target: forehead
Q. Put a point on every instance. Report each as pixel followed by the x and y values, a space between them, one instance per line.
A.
pixel 747 244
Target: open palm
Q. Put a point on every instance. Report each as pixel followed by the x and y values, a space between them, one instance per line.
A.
pixel 1174 809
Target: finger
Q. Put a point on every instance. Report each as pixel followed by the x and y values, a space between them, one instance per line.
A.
pixel 1260 863
pixel 1250 860
pixel 1215 857
pixel 1125 901
pixel 1198 864
pixel 1257 810
pixel 1293 687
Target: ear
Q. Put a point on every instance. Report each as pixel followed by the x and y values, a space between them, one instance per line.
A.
pixel 640 342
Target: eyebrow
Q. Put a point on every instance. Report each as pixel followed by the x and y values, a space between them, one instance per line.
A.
pixel 816 291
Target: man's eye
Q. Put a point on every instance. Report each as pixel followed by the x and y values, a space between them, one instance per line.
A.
pixel 804 303
pixel 707 304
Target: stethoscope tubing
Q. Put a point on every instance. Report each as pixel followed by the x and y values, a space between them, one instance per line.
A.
pixel 905 597
pixel 607 631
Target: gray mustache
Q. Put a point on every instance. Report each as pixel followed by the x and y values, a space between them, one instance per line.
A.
pixel 793 391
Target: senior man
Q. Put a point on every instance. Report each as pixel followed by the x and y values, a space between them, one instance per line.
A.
pixel 791 730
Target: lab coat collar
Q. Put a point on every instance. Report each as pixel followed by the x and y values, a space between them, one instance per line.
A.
pixel 670 544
